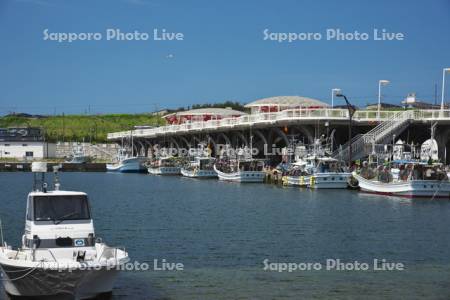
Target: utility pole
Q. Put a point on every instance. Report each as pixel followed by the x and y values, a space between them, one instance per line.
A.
pixel 351 111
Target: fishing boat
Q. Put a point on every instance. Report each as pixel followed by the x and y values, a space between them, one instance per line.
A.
pixel 60 254
pixel 296 175
pixel 168 165
pixel 417 180
pixel 79 155
pixel 315 169
pixel 200 167
pixel 127 163
pixel 326 173
pixel 241 168
pixel 200 163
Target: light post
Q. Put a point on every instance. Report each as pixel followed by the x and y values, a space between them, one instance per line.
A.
pixel 351 111
pixel 380 83
pixel 445 70
pixel 334 92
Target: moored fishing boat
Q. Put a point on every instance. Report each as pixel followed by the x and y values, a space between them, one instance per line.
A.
pixel 79 156
pixel 239 166
pixel 200 167
pixel 200 163
pixel 60 254
pixel 326 173
pixel 297 175
pixel 418 180
pixel 241 170
pixel 127 163
pixel 164 166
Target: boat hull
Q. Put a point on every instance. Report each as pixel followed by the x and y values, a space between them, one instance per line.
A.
pixel 242 176
pixel 82 284
pixel 199 173
pixel 130 165
pixel 295 180
pixel 165 171
pixel 408 189
pixel 328 181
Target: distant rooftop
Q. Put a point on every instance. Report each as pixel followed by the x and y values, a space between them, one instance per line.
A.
pixel 209 111
pixel 288 101
pixel 202 114
pixel 21 134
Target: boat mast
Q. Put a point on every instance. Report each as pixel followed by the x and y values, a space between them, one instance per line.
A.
pixel 132 150
pixel 1 233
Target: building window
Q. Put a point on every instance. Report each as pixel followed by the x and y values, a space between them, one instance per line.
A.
pixel 29 154
pixel 24 145
pixel 7 153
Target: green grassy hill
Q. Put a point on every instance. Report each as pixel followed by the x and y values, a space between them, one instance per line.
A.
pixel 81 127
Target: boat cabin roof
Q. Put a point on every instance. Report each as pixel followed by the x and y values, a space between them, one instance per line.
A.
pixel 322 158
pixel 57 193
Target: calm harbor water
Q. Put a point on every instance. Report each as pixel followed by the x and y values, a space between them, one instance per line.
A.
pixel 222 233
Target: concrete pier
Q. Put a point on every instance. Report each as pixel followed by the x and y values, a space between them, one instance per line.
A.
pixel 66 167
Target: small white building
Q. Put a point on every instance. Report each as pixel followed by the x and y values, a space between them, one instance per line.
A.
pixel 25 143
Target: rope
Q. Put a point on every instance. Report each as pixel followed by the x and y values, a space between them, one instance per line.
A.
pixel 23 276
pixel 437 190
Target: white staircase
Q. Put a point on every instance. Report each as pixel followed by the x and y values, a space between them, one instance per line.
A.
pixel 381 134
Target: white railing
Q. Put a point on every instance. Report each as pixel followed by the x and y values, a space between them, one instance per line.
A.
pixel 285 115
pixel 360 143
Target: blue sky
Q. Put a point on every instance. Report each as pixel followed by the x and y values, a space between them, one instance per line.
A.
pixel 223 55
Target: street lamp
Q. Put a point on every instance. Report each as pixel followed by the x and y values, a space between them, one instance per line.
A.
pixel 334 92
pixel 380 83
pixel 445 70
pixel 351 111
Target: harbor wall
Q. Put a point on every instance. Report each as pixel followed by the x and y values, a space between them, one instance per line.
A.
pixel 64 167
pixel 98 151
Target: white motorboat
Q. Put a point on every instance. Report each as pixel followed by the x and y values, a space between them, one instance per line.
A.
pixel 79 155
pixel 421 181
pixel 60 253
pixel 127 163
pixel 164 166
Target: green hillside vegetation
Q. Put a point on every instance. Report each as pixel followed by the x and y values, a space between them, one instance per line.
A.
pixel 90 128
pixel 94 128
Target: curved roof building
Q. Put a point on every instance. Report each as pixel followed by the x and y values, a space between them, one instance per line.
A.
pixel 279 103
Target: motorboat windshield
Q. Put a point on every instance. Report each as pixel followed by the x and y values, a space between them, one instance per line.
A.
pixel 58 208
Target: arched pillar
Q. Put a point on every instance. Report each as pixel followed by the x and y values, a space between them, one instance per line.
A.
pixel 277 134
pixel 185 141
pixel 442 137
pixel 305 131
pixel 239 135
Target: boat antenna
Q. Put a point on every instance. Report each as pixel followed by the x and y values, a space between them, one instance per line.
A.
pixel 1 232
